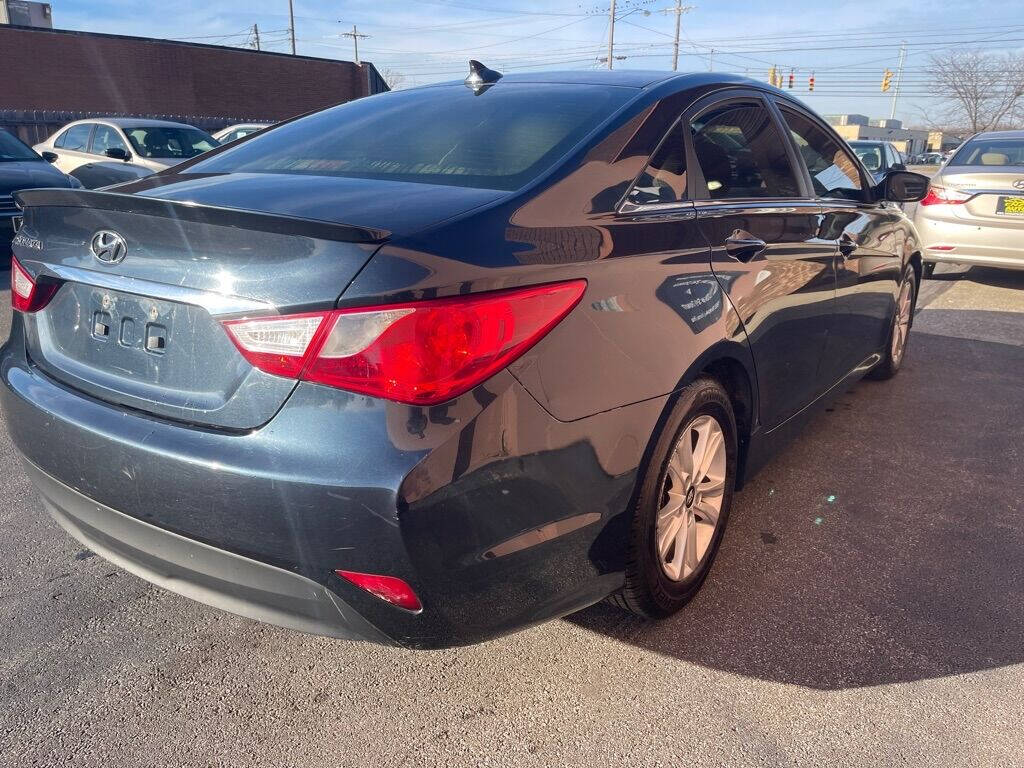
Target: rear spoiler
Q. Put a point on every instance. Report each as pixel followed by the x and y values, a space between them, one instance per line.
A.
pixel 201 214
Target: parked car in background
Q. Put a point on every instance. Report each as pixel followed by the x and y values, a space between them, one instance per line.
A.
pixel 233 132
pixel 437 364
pixel 932 158
pixel 153 144
pixel 974 210
pixel 879 157
pixel 105 174
pixel 21 168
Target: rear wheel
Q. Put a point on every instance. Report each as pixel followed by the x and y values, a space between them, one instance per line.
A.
pixel 899 334
pixel 683 503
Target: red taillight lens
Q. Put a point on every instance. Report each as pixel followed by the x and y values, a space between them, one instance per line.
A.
pixel 26 294
pixel 389 588
pixel 943 196
pixel 422 353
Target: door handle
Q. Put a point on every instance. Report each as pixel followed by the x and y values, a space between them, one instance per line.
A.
pixel 743 246
pixel 847 245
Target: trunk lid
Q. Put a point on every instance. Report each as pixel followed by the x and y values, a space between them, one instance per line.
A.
pixel 989 186
pixel 143 330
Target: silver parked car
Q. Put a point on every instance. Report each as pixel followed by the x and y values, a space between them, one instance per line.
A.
pixel 974 210
pixel 153 144
pixel 238 131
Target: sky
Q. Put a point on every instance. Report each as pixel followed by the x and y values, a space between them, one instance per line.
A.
pixel 846 46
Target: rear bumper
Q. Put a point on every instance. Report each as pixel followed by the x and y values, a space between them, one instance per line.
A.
pixel 212 576
pixel 963 241
pixel 496 514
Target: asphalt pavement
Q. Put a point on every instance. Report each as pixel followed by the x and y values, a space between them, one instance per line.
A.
pixel 866 609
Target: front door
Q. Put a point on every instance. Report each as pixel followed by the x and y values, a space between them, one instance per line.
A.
pixel 764 229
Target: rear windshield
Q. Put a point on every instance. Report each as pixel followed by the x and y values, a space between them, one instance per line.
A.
pixel 165 142
pixel 499 139
pixel 990 152
pixel 869 154
pixel 12 148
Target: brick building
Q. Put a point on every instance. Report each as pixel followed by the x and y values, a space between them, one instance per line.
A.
pixel 51 77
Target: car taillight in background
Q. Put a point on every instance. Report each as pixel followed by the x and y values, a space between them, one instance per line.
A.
pixel 421 353
pixel 27 295
pixel 943 196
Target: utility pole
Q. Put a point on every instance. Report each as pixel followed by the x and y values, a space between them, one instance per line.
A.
pixel 256 35
pixel 354 34
pixel 291 24
pixel 899 78
pixel 679 10
pixel 611 35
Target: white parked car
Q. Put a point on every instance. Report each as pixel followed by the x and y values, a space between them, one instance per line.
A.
pixel 239 130
pixel 153 144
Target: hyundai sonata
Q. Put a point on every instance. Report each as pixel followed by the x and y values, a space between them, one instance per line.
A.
pixel 438 364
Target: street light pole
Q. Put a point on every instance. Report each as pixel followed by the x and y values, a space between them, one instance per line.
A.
pixel 611 35
pixel 291 24
pixel 899 77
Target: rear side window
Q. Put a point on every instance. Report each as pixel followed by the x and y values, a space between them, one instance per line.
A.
pixel 664 178
pixel 833 170
pixel 741 153
pixel 77 137
pixel 500 138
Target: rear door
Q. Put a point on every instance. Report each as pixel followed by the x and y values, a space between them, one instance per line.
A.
pixel 72 148
pixel 867 250
pixel 764 229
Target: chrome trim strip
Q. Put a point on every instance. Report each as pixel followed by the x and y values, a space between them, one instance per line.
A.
pixel 217 304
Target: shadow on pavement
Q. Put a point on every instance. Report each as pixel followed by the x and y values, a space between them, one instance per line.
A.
pixel 885 545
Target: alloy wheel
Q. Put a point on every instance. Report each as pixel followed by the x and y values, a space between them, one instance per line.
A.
pixel 902 328
pixel 691 497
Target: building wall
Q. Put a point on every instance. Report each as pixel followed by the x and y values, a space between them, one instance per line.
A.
pixel 58 71
pixel 906 140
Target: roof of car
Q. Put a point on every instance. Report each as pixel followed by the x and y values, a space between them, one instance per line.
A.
pixel 125 122
pixel 1000 135
pixel 625 78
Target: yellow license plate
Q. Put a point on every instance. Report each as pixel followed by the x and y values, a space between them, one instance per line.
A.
pixel 1013 205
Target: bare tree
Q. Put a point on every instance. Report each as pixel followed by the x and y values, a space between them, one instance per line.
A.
pixel 392 78
pixel 981 91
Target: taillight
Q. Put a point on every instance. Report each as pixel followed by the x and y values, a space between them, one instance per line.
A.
pixel 26 294
pixel 389 588
pixel 943 196
pixel 421 353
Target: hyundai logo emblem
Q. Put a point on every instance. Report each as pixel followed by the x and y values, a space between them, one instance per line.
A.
pixel 109 247
pixel 1018 184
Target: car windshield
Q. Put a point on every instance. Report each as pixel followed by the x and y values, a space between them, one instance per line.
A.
pixel 990 152
pixel 500 138
pixel 11 149
pixel 162 141
pixel 869 154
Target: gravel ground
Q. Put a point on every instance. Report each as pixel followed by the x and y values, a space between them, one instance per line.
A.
pixel 865 610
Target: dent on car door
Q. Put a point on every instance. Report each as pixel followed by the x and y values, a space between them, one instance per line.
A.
pixel 767 251
pixel 868 258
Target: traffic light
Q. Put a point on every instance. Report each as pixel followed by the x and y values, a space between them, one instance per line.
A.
pixel 771 76
pixel 886 80
pixel 810 82
pixel 792 77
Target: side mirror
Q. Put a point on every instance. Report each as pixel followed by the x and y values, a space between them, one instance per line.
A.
pixel 902 187
pixel 50 157
pixel 117 153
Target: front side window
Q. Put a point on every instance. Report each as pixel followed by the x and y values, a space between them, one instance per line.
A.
pixel 870 155
pixel 500 138
pixel 77 137
pixel 169 142
pixel 741 153
pixel 664 178
pixel 833 171
pixel 106 138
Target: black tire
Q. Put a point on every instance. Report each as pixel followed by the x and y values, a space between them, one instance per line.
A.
pixel 928 270
pixel 648 591
pixel 890 364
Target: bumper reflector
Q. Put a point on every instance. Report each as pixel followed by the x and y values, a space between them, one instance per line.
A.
pixel 387 588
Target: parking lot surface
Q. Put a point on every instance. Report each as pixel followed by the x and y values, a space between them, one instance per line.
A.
pixel 865 610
